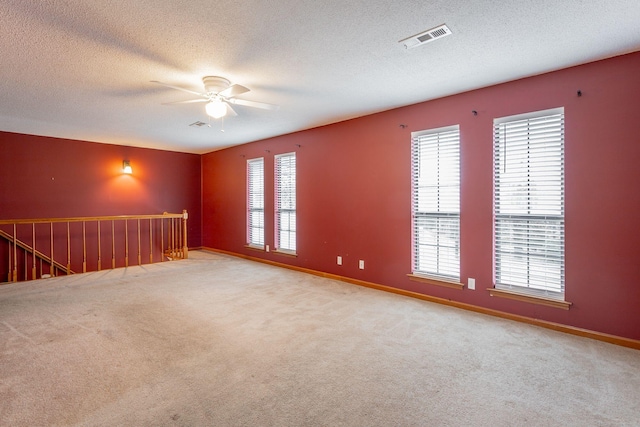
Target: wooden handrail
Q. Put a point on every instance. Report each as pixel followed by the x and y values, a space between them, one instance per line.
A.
pixel 176 243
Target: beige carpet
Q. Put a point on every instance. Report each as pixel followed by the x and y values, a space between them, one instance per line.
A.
pixel 219 341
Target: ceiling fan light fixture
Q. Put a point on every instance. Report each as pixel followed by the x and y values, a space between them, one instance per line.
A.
pixel 216 109
pixel 219 96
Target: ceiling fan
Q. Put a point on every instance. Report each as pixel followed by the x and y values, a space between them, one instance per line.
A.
pixel 219 95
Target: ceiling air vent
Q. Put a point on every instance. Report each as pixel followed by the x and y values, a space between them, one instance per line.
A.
pixel 198 123
pixel 426 36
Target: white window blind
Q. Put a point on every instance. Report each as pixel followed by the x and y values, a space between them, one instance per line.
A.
pixel 285 177
pixel 255 202
pixel 436 202
pixel 529 202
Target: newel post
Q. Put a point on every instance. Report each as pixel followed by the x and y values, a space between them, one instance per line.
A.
pixel 185 246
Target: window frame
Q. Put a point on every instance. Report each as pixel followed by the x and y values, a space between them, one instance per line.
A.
pixel 445 270
pixel 286 245
pixel 259 243
pixel 529 246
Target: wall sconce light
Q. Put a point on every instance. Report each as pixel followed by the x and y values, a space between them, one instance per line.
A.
pixel 126 167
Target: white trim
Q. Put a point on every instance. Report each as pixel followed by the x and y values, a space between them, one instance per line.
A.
pixel 284 154
pixel 529 203
pixel 289 204
pixel 435 202
pixel 449 128
pixel 259 162
pixel 529 115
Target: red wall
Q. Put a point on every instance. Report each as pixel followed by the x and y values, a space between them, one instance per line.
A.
pixel 43 177
pixel 353 187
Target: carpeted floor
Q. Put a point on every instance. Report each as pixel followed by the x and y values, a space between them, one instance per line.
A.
pixel 220 341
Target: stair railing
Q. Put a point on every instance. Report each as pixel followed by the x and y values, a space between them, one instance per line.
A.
pixel 28 242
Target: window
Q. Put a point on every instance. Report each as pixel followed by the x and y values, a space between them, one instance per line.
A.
pixel 285 201
pixel 255 202
pixel 529 203
pixel 436 202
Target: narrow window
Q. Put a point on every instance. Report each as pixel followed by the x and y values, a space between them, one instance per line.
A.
pixel 285 201
pixel 436 202
pixel 529 203
pixel 255 202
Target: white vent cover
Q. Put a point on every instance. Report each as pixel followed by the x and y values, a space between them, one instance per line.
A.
pixel 426 36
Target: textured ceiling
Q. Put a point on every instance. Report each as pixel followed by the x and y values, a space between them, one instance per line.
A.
pixel 82 69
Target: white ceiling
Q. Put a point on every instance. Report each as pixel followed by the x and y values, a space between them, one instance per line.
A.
pixel 82 69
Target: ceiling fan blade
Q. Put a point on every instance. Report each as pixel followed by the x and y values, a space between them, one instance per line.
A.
pixel 188 101
pixel 234 90
pixel 255 104
pixel 179 88
pixel 230 111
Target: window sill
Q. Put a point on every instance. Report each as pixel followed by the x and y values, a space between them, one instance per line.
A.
pixel 436 281
pixel 285 252
pixel 255 247
pixel 534 299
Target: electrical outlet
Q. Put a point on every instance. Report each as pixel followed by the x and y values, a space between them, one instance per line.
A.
pixel 267 248
pixel 471 284
pixel 339 260
pixel 361 265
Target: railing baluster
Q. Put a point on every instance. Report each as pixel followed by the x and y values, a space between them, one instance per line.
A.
pixel 139 257
pixel 113 245
pixel 33 233
pixel 10 272
pixel 161 239
pixel 126 239
pixel 68 250
pixel 169 234
pixel 169 249
pixel 150 240
pixel 51 270
pixel 173 238
pixel 99 249
pixel 177 225
pixel 84 247
pixel 15 255
pixel 179 246
pixel 126 243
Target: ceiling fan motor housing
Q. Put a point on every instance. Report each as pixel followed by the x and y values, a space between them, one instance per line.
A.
pixel 215 84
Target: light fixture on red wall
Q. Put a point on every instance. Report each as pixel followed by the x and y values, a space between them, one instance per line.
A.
pixel 126 167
